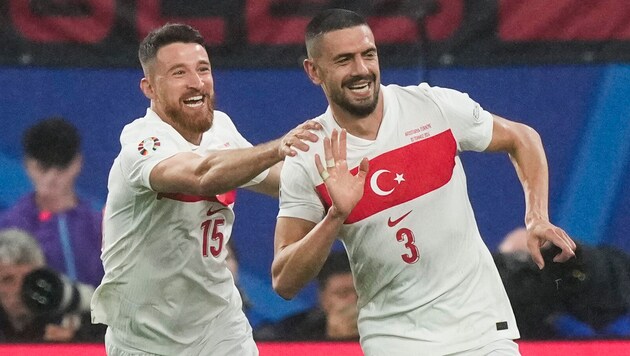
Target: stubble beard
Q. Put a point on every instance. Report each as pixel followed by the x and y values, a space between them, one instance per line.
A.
pixel 198 122
pixel 361 109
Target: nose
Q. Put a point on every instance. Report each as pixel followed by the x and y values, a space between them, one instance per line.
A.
pixel 360 66
pixel 195 81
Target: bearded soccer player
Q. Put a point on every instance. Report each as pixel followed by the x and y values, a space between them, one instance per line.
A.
pixel 389 183
pixel 168 216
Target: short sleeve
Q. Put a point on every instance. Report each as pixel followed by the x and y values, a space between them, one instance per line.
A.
pixel 140 153
pixel 298 197
pixel 470 123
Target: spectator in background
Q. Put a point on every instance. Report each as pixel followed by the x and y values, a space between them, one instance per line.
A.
pixel 20 256
pixel 586 297
pixel 66 227
pixel 335 316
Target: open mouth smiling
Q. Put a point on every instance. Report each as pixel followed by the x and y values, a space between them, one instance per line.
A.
pixel 194 101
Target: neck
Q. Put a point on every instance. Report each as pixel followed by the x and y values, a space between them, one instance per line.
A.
pixel 363 127
pixel 192 137
pixel 57 203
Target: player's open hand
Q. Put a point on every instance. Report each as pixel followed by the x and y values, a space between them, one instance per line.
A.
pixel 345 189
pixel 541 231
pixel 298 138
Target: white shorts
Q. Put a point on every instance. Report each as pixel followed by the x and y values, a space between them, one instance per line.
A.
pixel 232 339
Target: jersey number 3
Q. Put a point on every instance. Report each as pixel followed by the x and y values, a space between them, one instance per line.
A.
pixel 405 235
pixel 212 237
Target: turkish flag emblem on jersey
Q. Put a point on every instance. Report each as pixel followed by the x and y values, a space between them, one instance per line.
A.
pixel 403 174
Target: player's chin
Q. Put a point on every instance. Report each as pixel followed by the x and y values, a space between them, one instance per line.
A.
pixel 201 122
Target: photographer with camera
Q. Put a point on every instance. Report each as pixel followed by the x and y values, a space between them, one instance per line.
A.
pixel 36 303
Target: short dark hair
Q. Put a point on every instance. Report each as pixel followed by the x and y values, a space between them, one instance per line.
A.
pixel 53 142
pixel 331 20
pixel 336 263
pixel 165 35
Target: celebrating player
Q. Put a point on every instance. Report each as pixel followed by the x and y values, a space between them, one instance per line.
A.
pixel 168 217
pixel 389 182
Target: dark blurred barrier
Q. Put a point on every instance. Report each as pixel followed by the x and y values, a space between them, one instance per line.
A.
pixel 573 348
pixel 263 33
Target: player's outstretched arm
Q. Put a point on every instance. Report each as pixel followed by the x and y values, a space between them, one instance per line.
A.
pixel 223 170
pixel 527 154
pixel 296 138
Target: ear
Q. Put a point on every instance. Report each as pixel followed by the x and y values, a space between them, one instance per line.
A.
pixel 147 88
pixel 30 165
pixel 311 71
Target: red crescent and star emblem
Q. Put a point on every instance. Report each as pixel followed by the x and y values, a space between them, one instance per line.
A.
pixel 403 174
pixel 374 182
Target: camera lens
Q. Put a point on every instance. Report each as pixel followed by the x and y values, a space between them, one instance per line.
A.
pixel 47 292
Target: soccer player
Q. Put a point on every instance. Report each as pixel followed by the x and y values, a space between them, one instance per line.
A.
pixel 389 183
pixel 168 216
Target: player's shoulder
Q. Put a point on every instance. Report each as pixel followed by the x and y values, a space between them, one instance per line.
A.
pixel 328 123
pixel 221 117
pixel 423 90
pixel 223 128
pixel 147 135
pixel 148 125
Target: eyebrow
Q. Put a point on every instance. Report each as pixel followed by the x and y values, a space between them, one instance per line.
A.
pixel 351 54
pixel 178 65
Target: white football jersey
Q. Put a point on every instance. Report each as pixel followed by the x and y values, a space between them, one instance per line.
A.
pixel 425 279
pixel 164 254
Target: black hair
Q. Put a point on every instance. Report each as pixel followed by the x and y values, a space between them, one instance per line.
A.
pixel 165 35
pixel 336 263
pixel 53 142
pixel 332 20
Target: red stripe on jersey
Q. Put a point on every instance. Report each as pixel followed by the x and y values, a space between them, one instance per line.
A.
pixel 224 199
pixel 403 174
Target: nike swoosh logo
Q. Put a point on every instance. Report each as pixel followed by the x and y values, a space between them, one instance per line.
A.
pixel 392 223
pixel 212 212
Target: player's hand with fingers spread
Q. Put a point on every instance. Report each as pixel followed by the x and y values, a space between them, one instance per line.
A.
pixel 297 138
pixel 345 189
pixel 541 231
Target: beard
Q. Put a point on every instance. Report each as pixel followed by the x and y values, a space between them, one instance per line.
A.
pixel 364 107
pixel 199 121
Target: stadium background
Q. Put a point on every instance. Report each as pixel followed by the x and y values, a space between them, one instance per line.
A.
pixel 561 66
